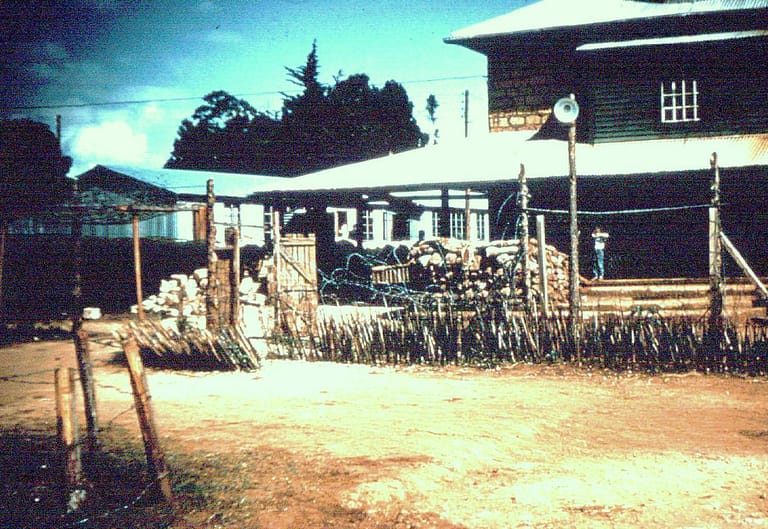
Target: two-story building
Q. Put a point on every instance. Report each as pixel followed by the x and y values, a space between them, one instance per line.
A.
pixel 660 85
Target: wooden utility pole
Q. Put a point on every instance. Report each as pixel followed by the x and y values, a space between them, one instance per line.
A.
pixel 143 402
pixel 715 258
pixel 524 247
pixel 137 266
pixel 211 291
pixel 575 300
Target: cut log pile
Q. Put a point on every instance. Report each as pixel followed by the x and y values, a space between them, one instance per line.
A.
pixel 472 271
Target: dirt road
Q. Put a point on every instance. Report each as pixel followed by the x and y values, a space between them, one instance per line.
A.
pixel 321 445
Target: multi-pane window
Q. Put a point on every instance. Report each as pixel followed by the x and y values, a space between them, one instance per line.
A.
pixel 386 223
pixel 435 224
pixel 367 225
pixel 480 225
pixel 457 224
pixel 679 101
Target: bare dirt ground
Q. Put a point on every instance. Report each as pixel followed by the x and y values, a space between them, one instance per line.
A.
pixel 319 445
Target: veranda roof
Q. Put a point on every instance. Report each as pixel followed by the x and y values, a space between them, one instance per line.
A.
pixel 495 159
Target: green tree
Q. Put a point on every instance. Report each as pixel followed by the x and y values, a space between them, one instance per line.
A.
pixel 220 136
pixel 305 120
pixel 320 127
pixel 33 175
pixel 33 171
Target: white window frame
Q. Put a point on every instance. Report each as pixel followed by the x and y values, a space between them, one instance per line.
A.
pixel 435 221
pixel 386 222
pixel 457 225
pixel 679 101
pixel 366 225
pixel 480 226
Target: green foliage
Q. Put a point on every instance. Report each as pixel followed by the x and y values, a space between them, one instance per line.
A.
pixel 32 168
pixel 321 127
pixel 222 136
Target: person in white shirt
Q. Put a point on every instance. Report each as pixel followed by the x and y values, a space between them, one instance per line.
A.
pixel 598 263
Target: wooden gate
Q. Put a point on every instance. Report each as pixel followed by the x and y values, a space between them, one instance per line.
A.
pixel 295 281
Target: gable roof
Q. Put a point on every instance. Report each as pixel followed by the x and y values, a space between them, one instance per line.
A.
pixel 553 14
pixel 167 184
pixel 495 159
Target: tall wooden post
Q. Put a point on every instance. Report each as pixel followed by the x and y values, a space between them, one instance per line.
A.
pixel 543 282
pixel 137 267
pixel 276 249
pixel 467 215
pixel 575 300
pixel 234 277
pixel 79 335
pixel 211 291
pixel 85 370
pixel 143 402
pixel 715 258
pixel 524 246
pixel 3 233
pixel 445 213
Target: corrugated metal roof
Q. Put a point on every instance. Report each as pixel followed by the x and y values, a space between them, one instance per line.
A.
pixel 496 159
pixel 551 14
pixel 187 182
pixel 687 39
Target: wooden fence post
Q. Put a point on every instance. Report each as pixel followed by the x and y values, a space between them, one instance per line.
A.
pixel 234 277
pixel 137 266
pixel 524 247
pixel 715 259
pixel 84 366
pixel 543 282
pixel 143 401
pixel 211 290
pixel 276 270
pixel 66 427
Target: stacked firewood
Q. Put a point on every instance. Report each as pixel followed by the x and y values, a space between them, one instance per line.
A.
pixel 471 271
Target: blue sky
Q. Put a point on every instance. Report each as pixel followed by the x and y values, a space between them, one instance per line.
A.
pixel 169 53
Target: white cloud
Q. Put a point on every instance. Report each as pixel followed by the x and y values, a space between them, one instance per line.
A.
pixel 112 141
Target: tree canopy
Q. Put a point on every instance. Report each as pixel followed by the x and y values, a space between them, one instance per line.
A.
pixel 32 168
pixel 320 127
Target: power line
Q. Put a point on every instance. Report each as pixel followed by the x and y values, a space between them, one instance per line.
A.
pixel 125 102
pixel 190 98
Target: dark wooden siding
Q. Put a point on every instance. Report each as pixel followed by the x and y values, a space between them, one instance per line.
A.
pixel 622 89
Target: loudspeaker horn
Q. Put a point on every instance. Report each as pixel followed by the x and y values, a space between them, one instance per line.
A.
pixel 566 110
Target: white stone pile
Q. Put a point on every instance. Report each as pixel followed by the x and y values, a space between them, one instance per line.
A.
pixel 180 296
